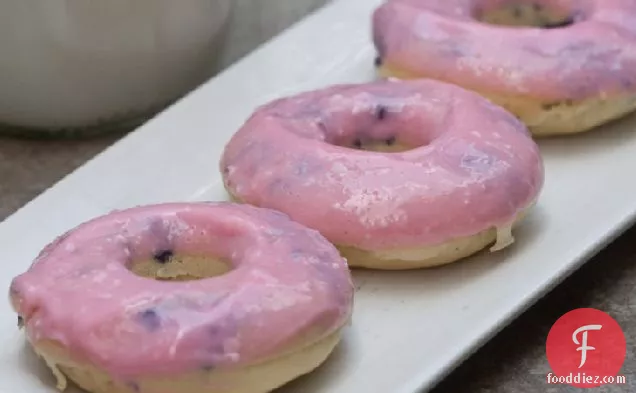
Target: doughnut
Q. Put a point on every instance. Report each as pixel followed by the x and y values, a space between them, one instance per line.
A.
pixel 397 174
pixel 560 66
pixel 185 297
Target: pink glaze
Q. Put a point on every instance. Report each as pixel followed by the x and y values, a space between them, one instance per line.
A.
pixel 287 284
pixel 443 40
pixel 476 166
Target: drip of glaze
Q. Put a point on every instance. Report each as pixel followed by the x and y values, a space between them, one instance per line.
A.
pixel 60 379
pixel 504 238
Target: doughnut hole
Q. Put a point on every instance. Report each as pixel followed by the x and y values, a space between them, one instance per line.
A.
pixel 382 128
pixel 186 247
pixel 169 267
pixel 388 145
pixel 528 13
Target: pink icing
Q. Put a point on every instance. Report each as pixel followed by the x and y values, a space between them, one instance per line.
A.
pixel 287 284
pixel 443 40
pixel 476 166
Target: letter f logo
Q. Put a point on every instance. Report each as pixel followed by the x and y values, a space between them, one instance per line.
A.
pixel 583 344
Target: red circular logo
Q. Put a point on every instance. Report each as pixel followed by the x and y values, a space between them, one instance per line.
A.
pixel 586 348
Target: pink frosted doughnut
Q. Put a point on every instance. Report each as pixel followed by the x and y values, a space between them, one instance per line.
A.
pixel 269 306
pixel 561 66
pixel 472 170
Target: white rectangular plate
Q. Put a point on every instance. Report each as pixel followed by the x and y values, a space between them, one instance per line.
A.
pixel 409 328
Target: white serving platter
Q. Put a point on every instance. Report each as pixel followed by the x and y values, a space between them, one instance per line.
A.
pixel 410 328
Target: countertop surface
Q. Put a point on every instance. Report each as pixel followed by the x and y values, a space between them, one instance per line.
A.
pixel 513 362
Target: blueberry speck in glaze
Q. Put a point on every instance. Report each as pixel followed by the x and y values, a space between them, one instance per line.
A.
pixel 207 368
pixel 20 322
pixel 150 320
pixel 381 112
pixel 163 256
pixel 537 7
pixel 357 143
pixel 134 386
pixel 390 141
pixel 377 61
pixel 626 83
pixel 322 126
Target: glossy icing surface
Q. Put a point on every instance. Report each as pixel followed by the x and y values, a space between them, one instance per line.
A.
pixel 287 286
pixel 595 55
pixel 473 165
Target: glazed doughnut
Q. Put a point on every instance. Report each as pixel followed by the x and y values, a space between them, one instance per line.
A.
pixel 454 174
pixel 255 300
pixel 561 66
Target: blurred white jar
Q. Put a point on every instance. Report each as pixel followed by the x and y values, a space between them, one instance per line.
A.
pixel 90 65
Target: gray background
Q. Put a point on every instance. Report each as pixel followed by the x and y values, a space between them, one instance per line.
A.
pixel 514 362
